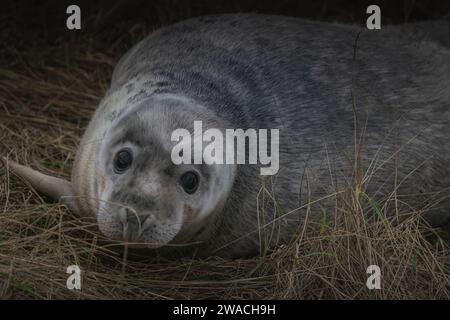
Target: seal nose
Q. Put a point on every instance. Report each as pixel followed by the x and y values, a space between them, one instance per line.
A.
pixel 134 224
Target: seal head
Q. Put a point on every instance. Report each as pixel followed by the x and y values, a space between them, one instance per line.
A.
pixel 143 196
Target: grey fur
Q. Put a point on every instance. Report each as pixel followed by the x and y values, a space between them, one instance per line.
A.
pixel 257 71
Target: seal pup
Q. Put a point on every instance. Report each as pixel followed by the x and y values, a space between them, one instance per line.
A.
pixel 260 71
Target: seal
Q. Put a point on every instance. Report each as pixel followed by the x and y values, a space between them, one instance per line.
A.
pixel 316 82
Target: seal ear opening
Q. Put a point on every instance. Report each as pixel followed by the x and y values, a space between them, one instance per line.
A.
pixel 55 188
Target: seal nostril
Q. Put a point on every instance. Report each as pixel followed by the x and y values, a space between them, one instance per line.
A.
pixel 144 218
pixel 123 217
pixel 126 232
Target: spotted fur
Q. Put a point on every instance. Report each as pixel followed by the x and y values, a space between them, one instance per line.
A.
pixel 309 80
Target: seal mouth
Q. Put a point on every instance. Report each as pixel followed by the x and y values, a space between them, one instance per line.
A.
pixel 137 229
pixel 134 233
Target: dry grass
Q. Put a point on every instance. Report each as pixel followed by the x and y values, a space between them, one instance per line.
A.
pixel 47 95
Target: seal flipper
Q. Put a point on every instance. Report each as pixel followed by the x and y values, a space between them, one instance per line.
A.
pixel 55 188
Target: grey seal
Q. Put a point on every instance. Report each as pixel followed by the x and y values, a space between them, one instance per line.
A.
pixel 316 82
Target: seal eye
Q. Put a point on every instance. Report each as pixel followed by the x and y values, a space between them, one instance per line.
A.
pixel 122 161
pixel 189 182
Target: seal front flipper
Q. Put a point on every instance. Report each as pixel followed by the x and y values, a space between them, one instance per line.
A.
pixel 55 188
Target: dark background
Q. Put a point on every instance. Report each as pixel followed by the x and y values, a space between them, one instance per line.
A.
pixel 46 19
pixel 33 33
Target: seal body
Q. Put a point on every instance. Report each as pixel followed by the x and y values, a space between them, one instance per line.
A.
pixel 318 83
